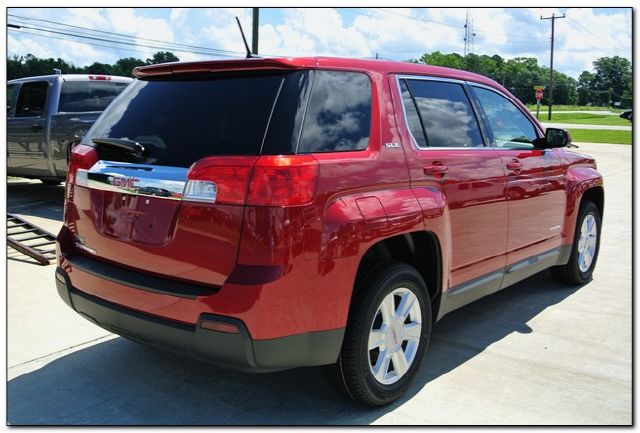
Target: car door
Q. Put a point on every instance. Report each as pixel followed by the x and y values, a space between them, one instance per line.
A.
pixel 535 179
pixel 26 131
pixel 449 153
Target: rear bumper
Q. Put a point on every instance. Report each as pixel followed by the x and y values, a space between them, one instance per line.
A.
pixel 233 350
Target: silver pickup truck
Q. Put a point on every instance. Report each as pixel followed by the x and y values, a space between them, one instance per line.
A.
pixel 46 115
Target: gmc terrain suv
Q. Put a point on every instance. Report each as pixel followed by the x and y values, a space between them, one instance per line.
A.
pixel 266 214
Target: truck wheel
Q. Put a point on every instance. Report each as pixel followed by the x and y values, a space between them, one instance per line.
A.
pixel 584 252
pixel 387 335
pixel 50 182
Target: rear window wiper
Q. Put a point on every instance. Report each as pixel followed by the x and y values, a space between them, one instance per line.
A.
pixel 121 143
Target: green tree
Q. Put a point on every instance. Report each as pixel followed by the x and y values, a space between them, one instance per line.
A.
pixel 452 60
pixel 611 73
pixel 125 66
pixel 162 57
pixel 518 75
pixel 99 68
pixel 585 88
pixel 31 66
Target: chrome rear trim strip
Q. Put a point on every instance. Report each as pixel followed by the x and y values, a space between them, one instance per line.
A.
pixel 135 179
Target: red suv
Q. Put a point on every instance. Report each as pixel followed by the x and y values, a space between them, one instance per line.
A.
pixel 266 214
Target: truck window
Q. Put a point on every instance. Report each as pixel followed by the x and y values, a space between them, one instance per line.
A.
pixel 11 91
pixel 32 99
pixel 446 114
pixel 79 96
pixel 338 117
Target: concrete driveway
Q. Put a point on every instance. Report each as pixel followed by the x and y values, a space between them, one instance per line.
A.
pixel 536 353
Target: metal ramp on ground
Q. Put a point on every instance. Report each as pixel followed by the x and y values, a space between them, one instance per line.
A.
pixel 30 240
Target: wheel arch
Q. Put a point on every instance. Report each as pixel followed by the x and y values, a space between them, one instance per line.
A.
pixel 596 195
pixel 420 249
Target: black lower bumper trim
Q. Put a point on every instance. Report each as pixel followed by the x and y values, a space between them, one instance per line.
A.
pixel 237 351
pixel 139 280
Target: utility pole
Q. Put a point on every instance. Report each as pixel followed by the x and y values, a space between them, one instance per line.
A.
pixel 254 34
pixel 553 19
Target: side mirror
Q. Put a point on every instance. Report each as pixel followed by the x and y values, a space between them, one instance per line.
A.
pixel 555 137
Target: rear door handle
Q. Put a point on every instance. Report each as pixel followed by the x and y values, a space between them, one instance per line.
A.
pixel 35 127
pixel 431 170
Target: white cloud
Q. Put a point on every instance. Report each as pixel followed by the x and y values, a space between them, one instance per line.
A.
pixel 509 32
pixel 178 15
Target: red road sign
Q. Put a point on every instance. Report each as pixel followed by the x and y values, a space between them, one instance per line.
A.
pixel 539 94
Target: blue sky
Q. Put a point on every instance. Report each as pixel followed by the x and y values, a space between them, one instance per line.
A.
pixel 398 34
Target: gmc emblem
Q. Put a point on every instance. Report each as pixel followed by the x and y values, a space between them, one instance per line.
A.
pixel 124 182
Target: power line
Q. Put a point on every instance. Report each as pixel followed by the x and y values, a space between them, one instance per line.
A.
pixel 456 26
pixel 81 42
pixel 123 42
pixel 122 34
pixel 610 48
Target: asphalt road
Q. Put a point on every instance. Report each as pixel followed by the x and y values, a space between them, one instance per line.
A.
pixel 536 353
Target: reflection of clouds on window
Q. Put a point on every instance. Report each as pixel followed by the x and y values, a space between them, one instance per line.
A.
pixel 446 114
pixel 509 126
pixel 114 112
pixel 448 123
pixel 339 113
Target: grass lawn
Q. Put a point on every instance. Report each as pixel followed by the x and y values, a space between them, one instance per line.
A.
pixel 601 136
pixel 584 118
pixel 545 108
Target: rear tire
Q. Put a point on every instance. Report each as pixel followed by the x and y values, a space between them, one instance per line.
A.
pixel 585 248
pixel 390 312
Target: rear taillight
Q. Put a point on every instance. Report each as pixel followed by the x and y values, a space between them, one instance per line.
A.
pixel 283 180
pixel 82 158
pixel 219 179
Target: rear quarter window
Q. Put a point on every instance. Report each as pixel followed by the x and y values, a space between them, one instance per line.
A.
pixel 338 116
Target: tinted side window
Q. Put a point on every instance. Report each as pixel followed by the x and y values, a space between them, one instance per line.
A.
pixel 509 127
pixel 11 90
pixel 78 96
pixel 446 113
pixel 32 99
pixel 338 116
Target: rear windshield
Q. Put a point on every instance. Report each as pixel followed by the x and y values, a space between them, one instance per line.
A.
pixel 180 120
pixel 78 96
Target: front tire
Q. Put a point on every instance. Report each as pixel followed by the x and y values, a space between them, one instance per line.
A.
pixel 387 335
pixel 585 248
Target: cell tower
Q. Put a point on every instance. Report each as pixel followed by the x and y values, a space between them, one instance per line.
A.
pixel 468 35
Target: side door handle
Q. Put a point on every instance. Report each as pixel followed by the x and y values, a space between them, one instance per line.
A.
pixel 436 171
pixel 514 165
pixel 35 127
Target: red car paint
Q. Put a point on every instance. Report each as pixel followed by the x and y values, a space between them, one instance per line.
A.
pixel 285 270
